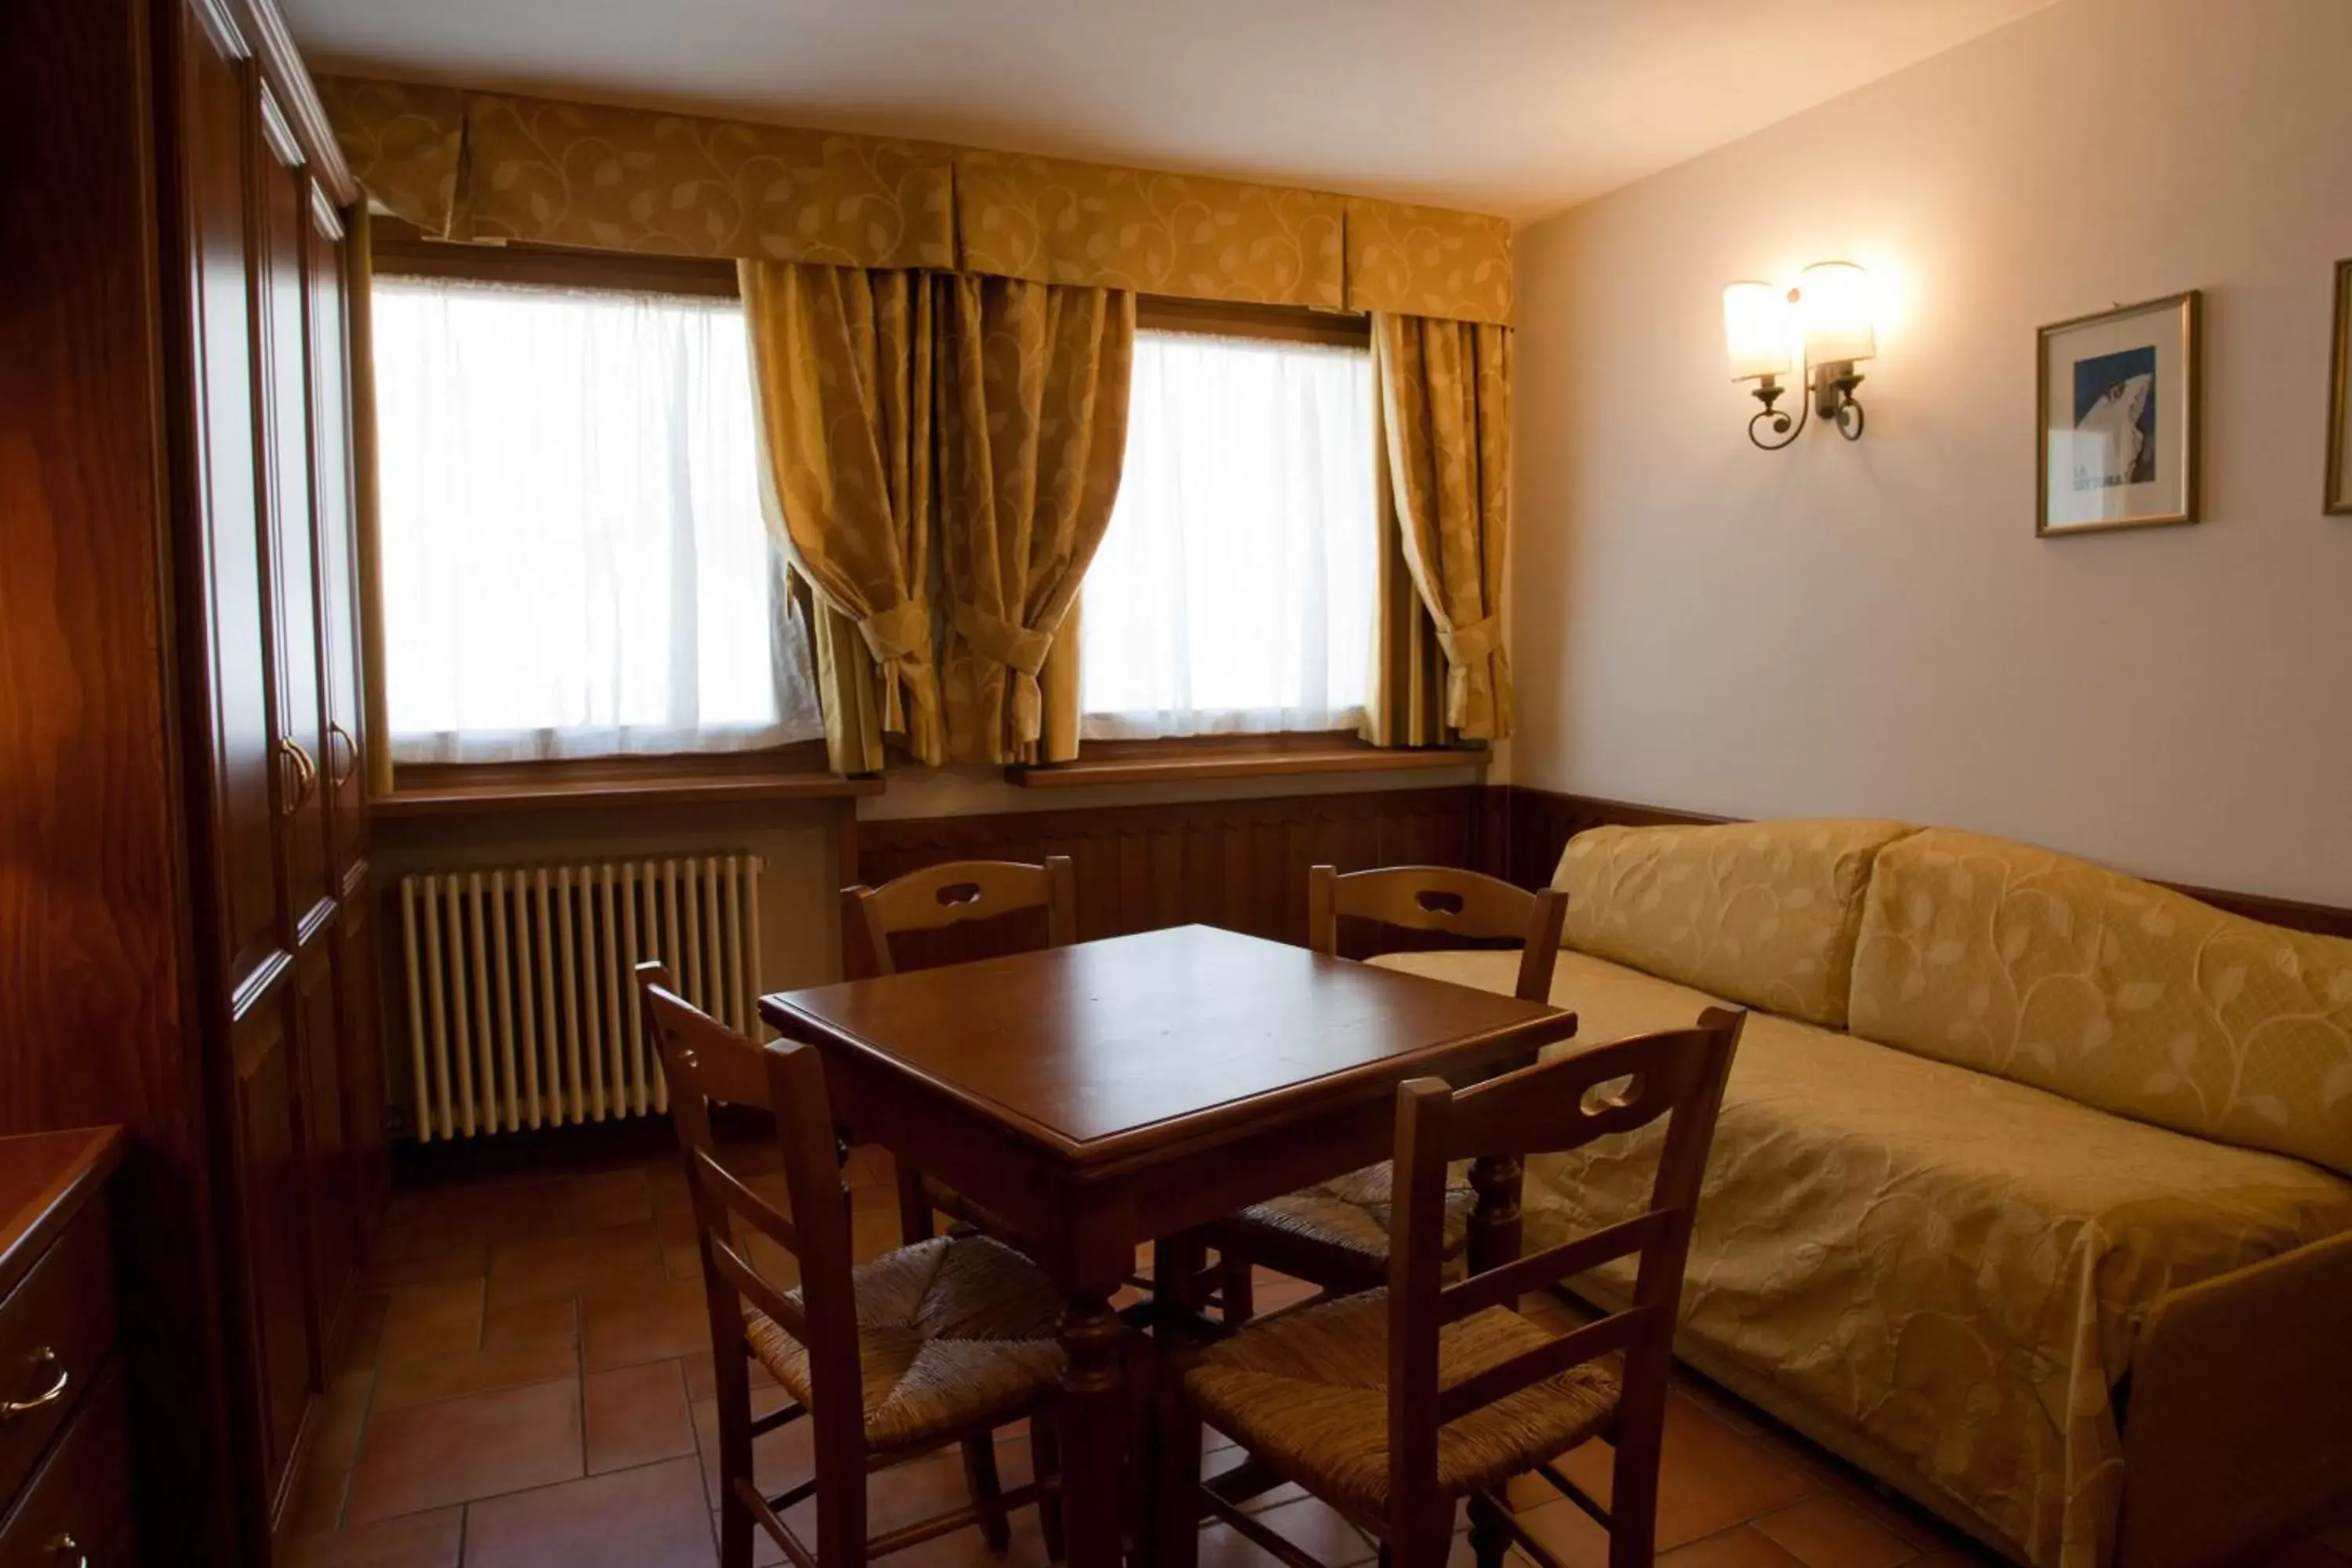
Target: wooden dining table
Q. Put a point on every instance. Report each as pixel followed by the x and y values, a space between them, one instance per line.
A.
pixel 1110 1093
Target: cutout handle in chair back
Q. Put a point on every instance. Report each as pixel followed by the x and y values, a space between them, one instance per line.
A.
pixel 959 890
pixel 1558 1104
pixel 1441 898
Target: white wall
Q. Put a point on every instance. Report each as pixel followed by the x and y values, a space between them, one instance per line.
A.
pixel 1875 628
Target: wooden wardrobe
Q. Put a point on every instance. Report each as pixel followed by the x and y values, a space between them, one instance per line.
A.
pixel 184 935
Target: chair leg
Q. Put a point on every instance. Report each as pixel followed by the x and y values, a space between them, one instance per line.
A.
pixel 1176 1463
pixel 914 1208
pixel 1490 1538
pixel 735 1529
pixel 979 1477
pixel 733 1378
pixel 840 1513
pixel 1045 1464
pixel 1426 1544
pixel 1235 1286
pixel 1634 1482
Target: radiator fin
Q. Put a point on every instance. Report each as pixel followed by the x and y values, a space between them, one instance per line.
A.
pixel 522 994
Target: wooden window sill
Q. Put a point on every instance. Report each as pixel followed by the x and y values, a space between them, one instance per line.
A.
pixel 1167 762
pixel 480 789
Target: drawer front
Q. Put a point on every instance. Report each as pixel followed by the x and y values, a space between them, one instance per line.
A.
pixel 55 1328
pixel 76 1512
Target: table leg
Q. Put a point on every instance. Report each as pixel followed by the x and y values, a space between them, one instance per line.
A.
pixel 1094 1421
pixel 1495 1224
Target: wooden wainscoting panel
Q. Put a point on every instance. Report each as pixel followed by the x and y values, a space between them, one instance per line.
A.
pixel 1239 864
pixel 1536 825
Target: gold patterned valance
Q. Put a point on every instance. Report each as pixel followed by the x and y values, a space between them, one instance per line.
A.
pixel 1428 261
pixel 494 165
pixel 1051 220
pixel 404 144
pixel 626 179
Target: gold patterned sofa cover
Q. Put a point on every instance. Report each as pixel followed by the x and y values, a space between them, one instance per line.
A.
pixel 1951 1277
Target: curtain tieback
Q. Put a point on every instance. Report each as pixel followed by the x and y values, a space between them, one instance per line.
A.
pixel 1466 648
pixel 1475 641
pixel 900 638
pixel 1019 650
pixel 899 633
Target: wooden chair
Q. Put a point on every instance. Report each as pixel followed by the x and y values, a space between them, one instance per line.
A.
pixel 1336 1233
pixel 932 899
pixel 940 1343
pixel 1394 1404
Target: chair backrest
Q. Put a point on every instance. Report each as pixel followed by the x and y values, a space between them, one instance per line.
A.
pixel 1558 1104
pixel 706 1063
pixel 1441 898
pixel 958 891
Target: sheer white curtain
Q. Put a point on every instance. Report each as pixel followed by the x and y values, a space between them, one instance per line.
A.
pixel 575 563
pixel 1234 590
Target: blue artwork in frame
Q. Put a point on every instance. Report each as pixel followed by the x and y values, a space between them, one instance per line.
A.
pixel 2115 419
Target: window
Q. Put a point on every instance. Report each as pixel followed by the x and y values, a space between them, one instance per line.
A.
pixel 575 563
pixel 1232 592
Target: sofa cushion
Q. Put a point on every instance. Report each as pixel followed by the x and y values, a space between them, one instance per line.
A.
pixel 1761 913
pixel 1610 1001
pixel 1952 1264
pixel 2110 991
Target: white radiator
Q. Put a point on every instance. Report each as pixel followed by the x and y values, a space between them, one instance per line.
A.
pixel 522 1007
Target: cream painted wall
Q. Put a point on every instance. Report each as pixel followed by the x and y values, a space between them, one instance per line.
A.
pixel 1875 628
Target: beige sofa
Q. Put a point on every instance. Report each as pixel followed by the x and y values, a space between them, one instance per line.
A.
pixel 2030 1194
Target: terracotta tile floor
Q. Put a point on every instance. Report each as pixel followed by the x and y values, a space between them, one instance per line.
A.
pixel 529 1383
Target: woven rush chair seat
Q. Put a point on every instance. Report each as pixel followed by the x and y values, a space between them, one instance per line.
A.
pixel 1353 1213
pixel 950 1332
pixel 1337 1233
pixel 1307 1390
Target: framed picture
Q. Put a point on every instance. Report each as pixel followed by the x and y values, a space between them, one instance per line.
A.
pixel 2117 418
pixel 2339 399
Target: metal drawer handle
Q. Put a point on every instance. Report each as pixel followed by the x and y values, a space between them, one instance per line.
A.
pixel 11 1409
pixel 65 1544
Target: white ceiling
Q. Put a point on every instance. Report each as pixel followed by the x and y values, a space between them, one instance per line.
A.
pixel 1516 107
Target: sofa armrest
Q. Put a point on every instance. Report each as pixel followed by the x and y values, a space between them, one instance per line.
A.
pixel 2237 1433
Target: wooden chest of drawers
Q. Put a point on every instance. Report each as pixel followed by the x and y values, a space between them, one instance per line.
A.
pixel 65 1445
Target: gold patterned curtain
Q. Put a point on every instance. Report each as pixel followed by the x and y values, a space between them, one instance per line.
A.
pixel 843 366
pixel 1445 390
pixel 1404 701
pixel 1033 381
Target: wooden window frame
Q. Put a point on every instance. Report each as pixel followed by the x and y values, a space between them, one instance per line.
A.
pixel 1275 323
pixel 1285 754
pixel 796 770
pixel 800 770
pixel 399 249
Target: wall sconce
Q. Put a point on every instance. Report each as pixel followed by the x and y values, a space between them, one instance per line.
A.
pixel 1833 305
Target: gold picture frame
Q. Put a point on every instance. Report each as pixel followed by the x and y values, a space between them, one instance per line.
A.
pixel 2128 441
pixel 2336 495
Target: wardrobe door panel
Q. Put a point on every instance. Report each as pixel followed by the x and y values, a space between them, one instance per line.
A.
pixel 269 1154
pixel 227 626
pixel 357 962
pixel 284 305
pixel 326 1169
pixel 343 775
